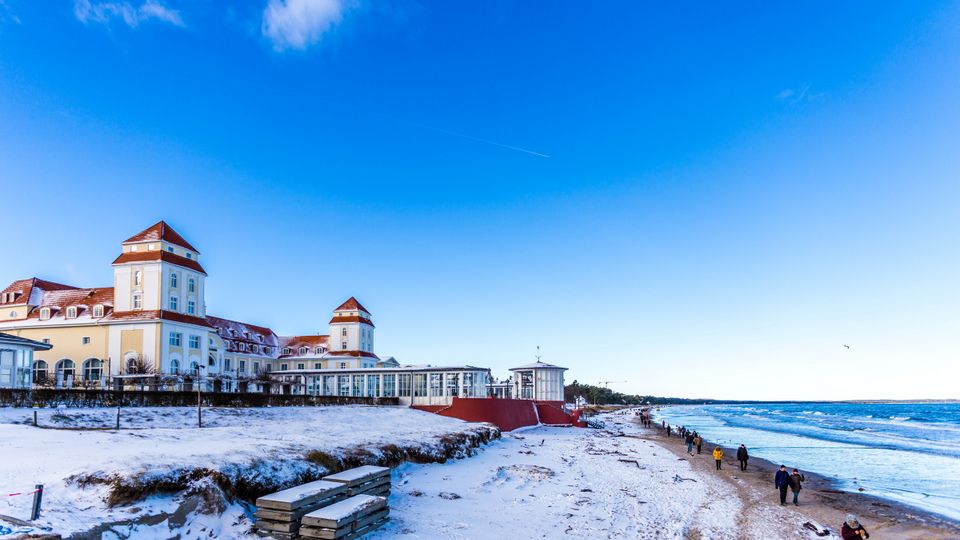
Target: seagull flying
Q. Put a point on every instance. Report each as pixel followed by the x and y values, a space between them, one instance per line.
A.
pixel 847 346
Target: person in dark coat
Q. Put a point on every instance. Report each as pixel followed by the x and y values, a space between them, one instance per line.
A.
pixel 782 481
pixel 698 440
pixel 853 530
pixel 796 485
pixel 742 457
pixel 689 441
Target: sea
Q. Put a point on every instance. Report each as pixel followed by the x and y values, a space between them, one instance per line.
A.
pixel 906 452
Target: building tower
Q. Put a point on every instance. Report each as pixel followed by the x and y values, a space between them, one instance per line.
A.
pixel 351 334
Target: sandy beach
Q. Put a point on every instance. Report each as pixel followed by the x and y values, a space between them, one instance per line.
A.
pixel 820 500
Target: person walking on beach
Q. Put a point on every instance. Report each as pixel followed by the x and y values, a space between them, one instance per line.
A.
pixel 782 481
pixel 852 529
pixel 742 457
pixel 689 441
pixel 718 456
pixel 795 485
pixel 697 440
pixel 668 430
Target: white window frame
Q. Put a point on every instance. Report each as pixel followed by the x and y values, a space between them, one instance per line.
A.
pixel 194 340
pixel 71 312
pixel 176 339
pixel 173 280
pixel 174 301
pixel 98 310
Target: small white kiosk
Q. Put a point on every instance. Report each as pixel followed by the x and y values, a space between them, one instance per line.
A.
pixel 538 381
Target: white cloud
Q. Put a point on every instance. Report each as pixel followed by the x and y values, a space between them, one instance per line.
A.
pixel 297 24
pixel 131 15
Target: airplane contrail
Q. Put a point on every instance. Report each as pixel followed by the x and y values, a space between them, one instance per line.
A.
pixel 478 139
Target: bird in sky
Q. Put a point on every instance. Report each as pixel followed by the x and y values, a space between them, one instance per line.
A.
pixel 847 346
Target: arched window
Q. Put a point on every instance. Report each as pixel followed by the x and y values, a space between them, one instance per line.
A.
pixel 44 313
pixel 132 365
pixel 138 278
pixel 303 351
pixel 65 368
pixel 174 367
pixel 39 372
pixel 211 360
pixel 72 312
pixel 194 367
pixel 92 369
pixel 318 350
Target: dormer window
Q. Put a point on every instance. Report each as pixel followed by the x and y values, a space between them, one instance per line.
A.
pixel 44 314
pixel 98 311
pixel 256 348
pixel 286 350
pixel 318 350
pixel 303 351
pixel 72 312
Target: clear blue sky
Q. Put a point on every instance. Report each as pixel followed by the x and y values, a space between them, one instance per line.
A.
pixel 700 200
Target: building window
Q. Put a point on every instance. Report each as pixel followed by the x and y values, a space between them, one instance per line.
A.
pixel 173 303
pixel 173 277
pixel 189 255
pixel 170 249
pixel 301 366
pixel 192 285
pixel 286 350
pixel 138 278
pixel 343 365
pixel 266 350
pixel 46 340
pixel 256 367
pixel 211 361
pixel 65 369
pixel 343 332
pixel 194 342
pixel 226 364
pixel 98 311
pixel 137 301
pixel 191 307
pixel 174 367
pixel 175 338
pixel 71 312
pixel 85 340
pixel 343 345
pixel 318 350
pixel 283 367
pixel 316 365
pixel 39 372
pixel 92 369
pixel 242 366
pixel 44 314
pixel 256 348
pixel 303 351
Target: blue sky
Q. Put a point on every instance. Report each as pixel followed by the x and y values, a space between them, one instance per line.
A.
pixel 700 200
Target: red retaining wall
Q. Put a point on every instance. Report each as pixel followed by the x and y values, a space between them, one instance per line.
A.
pixel 506 414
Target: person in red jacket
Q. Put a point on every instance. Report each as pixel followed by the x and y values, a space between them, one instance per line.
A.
pixel 853 530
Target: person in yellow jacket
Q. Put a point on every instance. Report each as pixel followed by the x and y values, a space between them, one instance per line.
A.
pixel 718 456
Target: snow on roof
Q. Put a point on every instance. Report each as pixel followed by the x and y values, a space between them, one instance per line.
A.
pixel 538 365
pixel 25 289
pixel 7 339
pixel 160 231
pixel 351 304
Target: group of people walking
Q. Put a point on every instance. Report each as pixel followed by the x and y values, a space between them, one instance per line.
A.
pixel 784 480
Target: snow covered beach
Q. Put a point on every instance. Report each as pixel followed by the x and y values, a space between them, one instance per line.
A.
pixel 548 482
pixel 160 476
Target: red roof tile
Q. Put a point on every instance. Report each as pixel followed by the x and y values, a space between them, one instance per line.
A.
pixel 353 353
pixel 165 256
pixel 351 304
pixel 160 231
pixel 351 319
pixel 153 315
pixel 23 288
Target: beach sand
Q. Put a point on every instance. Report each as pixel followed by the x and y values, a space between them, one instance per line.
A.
pixel 820 500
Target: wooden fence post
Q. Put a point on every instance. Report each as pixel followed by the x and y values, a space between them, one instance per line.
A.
pixel 118 417
pixel 34 418
pixel 37 497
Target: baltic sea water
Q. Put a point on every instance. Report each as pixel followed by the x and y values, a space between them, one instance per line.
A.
pixel 907 452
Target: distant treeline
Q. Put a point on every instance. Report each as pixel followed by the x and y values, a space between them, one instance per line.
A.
pixel 598 395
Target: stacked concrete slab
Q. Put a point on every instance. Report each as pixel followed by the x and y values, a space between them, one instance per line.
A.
pixel 279 514
pixel 365 480
pixel 347 519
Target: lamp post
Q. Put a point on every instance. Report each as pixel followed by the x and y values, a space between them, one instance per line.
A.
pixel 199 412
